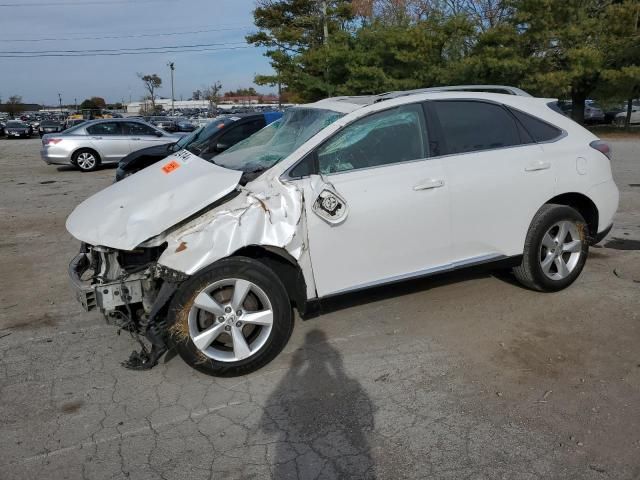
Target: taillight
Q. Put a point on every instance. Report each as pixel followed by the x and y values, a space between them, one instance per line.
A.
pixel 54 141
pixel 602 147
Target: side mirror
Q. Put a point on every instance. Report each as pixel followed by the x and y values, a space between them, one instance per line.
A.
pixel 221 147
pixel 158 133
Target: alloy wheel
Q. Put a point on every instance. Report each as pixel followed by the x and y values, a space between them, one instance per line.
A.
pixel 230 320
pixel 560 250
pixel 86 161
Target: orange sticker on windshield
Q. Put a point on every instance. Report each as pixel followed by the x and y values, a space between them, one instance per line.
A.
pixel 171 166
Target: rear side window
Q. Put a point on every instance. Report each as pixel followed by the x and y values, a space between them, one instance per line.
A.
pixel 540 131
pixel 469 126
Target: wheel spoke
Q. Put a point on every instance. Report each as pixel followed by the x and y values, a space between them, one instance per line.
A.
pixel 204 302
pixel 264 317
pixel 563 270
pixel 547 241
pixel 240 291
pixel 240 348
pixel 546 263
pixel 204 339
pixel 573 247
pixel 562 233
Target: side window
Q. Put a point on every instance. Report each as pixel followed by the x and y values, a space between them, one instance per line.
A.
pixel 253 126
pixel 469 126
pixel 540 131
pixel 137 128
pixel 387 137
pixel 235 134
pixel 104 128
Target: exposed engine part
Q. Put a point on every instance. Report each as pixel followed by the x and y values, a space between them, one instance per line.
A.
pixel 128 288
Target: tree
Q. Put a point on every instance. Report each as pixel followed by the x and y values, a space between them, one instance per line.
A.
pixel 14 105
pixel 93 103
pixel 212 94
pixel 151 84
pixel 197 95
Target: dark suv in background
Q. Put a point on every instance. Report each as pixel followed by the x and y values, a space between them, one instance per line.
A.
pixel 206 142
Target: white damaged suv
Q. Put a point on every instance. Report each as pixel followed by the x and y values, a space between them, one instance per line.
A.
pixel 211 258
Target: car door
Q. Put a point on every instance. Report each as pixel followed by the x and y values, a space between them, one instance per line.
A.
pixel 498 177
pixel 141 136
pixel 108 140
pixel 378 210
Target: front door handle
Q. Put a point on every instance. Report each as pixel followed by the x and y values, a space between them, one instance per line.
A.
pixel 96 138
pixel 429 184
pixel 539 165
pixel 135 138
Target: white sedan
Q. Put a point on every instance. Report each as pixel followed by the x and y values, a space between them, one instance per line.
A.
pixel 341 195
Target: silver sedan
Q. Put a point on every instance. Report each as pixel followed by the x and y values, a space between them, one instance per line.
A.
pixel 97 142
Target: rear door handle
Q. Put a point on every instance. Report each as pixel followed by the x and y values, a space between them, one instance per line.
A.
pixel 135 138
pixel 539 165
pixel 429 184
pixel 96 138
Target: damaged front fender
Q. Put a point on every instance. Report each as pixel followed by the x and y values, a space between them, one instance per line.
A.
pixel 268 213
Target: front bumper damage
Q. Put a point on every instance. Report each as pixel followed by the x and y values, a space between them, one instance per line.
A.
pixel 134 296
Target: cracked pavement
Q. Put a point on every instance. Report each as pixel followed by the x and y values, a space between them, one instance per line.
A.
pixel 465 375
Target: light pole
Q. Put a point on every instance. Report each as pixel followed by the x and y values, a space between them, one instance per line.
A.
pixel 172 68
pixel 60 101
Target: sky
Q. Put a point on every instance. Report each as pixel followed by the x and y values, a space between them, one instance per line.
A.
pixel 109 25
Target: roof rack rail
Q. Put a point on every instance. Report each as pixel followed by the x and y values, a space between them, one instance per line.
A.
pixel 456 88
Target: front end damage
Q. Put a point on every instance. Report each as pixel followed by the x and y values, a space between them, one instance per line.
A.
pixel 133 285
pixel 131 290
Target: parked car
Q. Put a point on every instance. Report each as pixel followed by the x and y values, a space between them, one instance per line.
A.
pixel 183 125
pixel 621 117
pixel 165 123
pixel 2 127
pixel 50 126
pixel 97 142
pixel 611 113
pixel 18 129
pixel 593 114
pixel 206 142
pixel 210 257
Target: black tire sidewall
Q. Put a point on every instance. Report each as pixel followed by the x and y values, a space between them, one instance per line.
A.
pixel 556 214
pixel 236 267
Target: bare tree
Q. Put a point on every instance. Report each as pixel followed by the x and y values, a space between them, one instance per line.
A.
pixel 151 83
pixel 212 94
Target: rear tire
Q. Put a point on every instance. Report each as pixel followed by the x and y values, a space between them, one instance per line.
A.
pixel 236 333
pixel 86 160
pixel 555 250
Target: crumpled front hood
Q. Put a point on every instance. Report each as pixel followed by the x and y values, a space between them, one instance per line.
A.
pixel 148 203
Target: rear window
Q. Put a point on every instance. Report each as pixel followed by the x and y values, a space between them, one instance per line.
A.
pixel 539 130
pixel 469 126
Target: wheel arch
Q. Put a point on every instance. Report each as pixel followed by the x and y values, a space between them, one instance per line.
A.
pixel 286 267
pixel 90 149
pixel 582 204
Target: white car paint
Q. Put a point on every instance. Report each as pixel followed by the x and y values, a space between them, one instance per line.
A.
pixel 481 208
pixel 128 212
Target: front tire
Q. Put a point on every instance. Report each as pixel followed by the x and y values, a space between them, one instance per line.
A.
pixel 231 319
pixel 556 249
pixel 86 160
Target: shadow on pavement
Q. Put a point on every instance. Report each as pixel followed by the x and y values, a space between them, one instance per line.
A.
pixel 321 417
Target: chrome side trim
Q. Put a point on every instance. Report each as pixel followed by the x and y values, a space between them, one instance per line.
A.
pixel 469 262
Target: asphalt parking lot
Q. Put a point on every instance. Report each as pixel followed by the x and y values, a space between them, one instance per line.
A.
pixel 466 375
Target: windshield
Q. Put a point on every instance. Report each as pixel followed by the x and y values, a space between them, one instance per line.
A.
pixel 277 141
pixel 16 124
